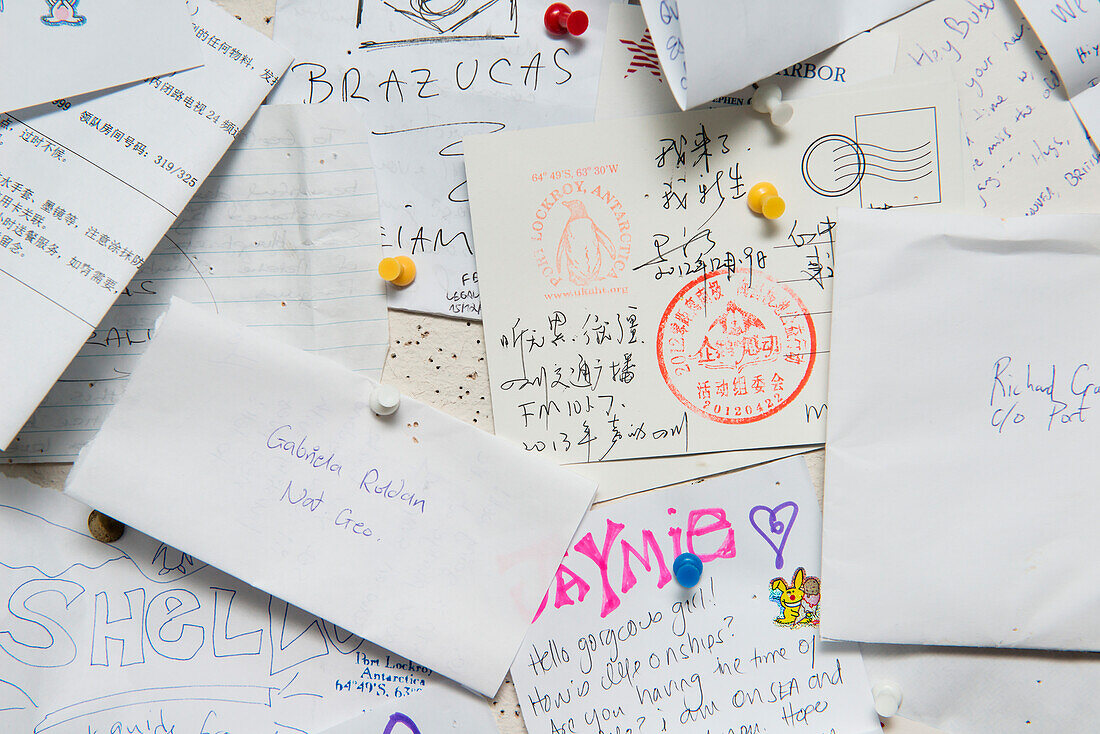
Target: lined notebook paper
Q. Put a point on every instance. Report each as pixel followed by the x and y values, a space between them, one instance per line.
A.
pixel 284 236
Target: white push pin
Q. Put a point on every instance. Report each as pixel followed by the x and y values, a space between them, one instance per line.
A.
pixel 769 100
pixel 384 400
pixel 887 695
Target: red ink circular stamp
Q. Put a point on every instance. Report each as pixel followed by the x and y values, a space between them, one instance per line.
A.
pixel 583 237
pixel 735 347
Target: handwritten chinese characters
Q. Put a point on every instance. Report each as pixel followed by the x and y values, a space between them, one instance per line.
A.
pixel 641 310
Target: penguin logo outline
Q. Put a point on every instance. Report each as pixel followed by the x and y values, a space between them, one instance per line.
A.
pixel 587 237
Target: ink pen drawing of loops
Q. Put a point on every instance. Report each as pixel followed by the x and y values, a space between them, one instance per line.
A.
pixel 865 167
pixel 835 165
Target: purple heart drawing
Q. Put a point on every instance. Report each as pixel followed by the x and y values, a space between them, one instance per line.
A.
pixel 776 527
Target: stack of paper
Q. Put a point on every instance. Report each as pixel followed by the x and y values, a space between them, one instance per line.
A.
pixel 379 569
pixel 284 236
pixel 91 183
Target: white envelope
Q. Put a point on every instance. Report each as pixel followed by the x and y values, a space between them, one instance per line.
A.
pixel 60 48
pixel 960 506
pixel 708 49
pixel 415 531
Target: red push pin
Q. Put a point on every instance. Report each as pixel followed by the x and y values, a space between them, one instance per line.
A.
pixel 559 19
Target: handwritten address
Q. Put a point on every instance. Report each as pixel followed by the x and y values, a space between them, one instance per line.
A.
pixel 296 445
pixel 1023 393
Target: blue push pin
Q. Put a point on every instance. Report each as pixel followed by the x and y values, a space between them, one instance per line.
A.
pixel 688 569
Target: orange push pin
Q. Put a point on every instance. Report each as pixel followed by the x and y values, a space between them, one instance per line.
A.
pixel 764 199
pixel 400 270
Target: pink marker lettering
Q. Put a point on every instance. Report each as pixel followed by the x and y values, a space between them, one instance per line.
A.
pixel 727 549
pixel 587 546
pixel 542 607
pixel 675 533
pixel 648 541
pixel 561 598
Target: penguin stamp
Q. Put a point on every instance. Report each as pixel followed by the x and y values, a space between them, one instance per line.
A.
pixel 583 236
pixel 736 347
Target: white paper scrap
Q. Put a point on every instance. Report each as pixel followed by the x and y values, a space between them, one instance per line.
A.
pixel 53 49
pixel 438 532
pixel 137 637
pixel 88 186
pixel 1069 30
pixel 962 431
pixel 284 236
pixel 710 49
pixel 632 83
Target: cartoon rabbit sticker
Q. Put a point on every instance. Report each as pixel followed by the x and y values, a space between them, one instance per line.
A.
pixel 63 12
pixel 797 601
pixel 789 597
pixel 588 253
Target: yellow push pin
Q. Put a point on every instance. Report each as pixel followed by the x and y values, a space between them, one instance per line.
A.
pixel 400 270
pixel 764 199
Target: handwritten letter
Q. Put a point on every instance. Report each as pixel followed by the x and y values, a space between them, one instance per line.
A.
pixel 141 638
pixel 620 646
pixel 1026 151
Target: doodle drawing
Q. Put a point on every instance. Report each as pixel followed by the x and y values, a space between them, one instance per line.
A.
pixel 62 12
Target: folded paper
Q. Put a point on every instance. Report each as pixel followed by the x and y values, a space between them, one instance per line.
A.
pixel 962 431
pixel 415 531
